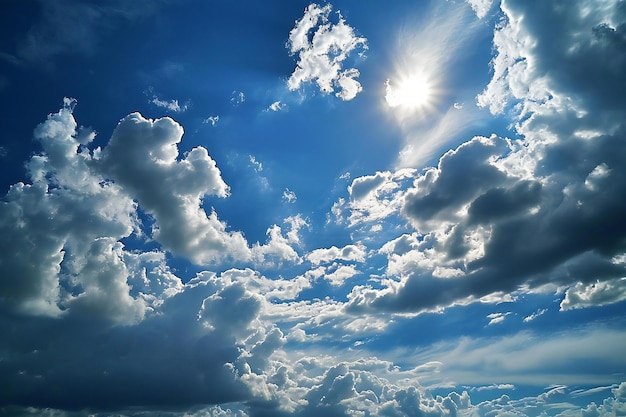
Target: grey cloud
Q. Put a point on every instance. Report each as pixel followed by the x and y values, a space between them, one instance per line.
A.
pixel 499 202
pixel 461 175
pixel 545 210
pixel 181 357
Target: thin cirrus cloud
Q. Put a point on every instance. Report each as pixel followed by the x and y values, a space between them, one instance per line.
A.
pixel 334 318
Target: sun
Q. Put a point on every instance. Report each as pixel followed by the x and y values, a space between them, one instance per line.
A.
pixel 409 93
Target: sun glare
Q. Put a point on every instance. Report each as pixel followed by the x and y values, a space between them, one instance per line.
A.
pixel 410 93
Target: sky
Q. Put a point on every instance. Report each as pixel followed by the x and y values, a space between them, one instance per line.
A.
pixel 284 208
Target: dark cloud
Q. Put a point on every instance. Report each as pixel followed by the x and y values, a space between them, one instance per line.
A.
pixel 169 360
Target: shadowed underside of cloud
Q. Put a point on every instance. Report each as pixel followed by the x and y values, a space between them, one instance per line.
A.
pixel 541 213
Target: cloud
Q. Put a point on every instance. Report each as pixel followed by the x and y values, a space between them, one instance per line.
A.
pixel 237 98
pixel 375 197
pixel 277 249
pixel 212 120
pixel 171 105
pixel 337 274
pixel 596 294
pixel 276 106
pixel 142 156
pixel 431 48
pixel 496 386
pixel 289 196
pixel 322 48
pixel 182 355
pixel 536 314
pixel 347 253
pixel 496 318
pixel 45 278
pixel 499 216
pixel 480 7
pixel 540 358
pixel 81 204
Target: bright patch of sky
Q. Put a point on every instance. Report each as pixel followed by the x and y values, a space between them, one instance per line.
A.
pixel 299 208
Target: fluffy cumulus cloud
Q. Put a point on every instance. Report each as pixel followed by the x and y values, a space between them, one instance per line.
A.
pixel 63 232
pixel 322 47
pixel 541 213
pixel 142 157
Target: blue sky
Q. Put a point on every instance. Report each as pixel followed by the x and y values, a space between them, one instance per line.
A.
pixel 216 208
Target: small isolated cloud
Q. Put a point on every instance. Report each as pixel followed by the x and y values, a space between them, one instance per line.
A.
pixel 256 165
pixel 171 105
pixel 497 318
pixel 237 97
pixel 322 48
pixel 535 315
pixel 212 120
pixel 276 106
pixel 289 196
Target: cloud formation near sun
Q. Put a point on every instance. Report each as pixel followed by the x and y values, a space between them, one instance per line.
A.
pixel 322 47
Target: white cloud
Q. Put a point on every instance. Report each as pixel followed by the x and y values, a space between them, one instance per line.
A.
pixel 536 314
pixel 322 48
pixel 337 274
pixel 480 7
pixel 212 120
pixel 142 157
pixel 171 105
pixel 276 106
pixel 47 278
pixel 496 318
pixel 347 253
pixel 594 294
pixel 289 196
pixel 375 197
pixel 237 98
pixel 540 358
pixel 296 223
pixel 256 165
pixel 277 250
pixel 496 386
